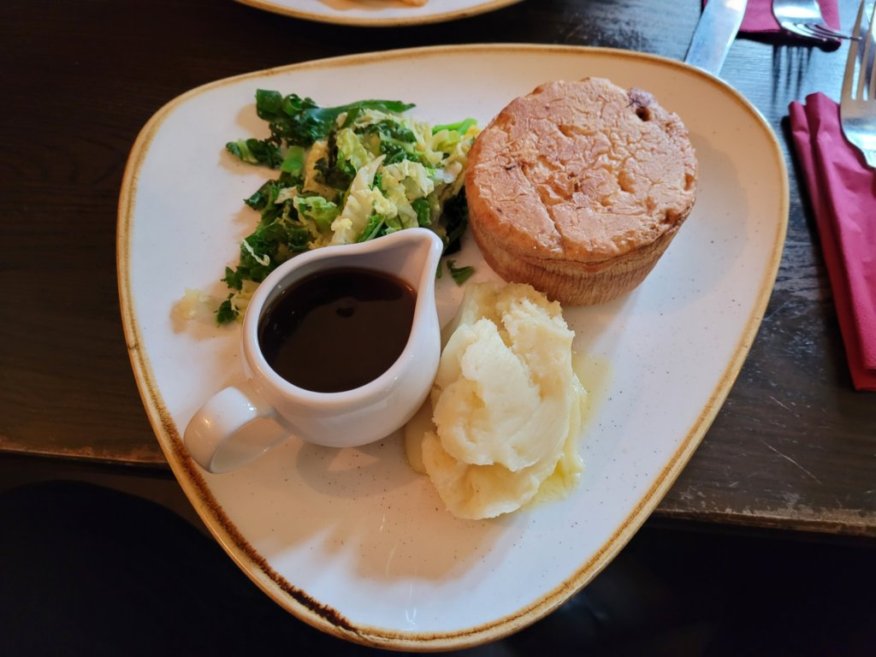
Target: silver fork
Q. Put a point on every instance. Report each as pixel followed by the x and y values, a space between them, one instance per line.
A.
pixel 858 102
pixel 803 17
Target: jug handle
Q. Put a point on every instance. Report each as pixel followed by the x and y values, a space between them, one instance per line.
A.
pixel 232 428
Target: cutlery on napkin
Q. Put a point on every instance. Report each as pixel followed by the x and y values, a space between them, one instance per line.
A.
pixel 759 22
pixel 842 189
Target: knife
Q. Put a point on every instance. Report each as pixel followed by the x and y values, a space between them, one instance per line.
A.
pixel 714 33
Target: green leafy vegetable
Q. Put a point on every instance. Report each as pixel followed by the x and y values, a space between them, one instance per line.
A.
pixel 345 174
pixel 293 163
pixel 460 127
pixel 459 274
pixel 294 120
pixel 226 312
pixel 424 211
pixel 375 227
pixel 456 221
pixel 256 151
pixel 320 211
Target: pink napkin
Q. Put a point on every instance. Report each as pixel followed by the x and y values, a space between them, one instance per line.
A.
pixel 842 189
pixel 758 21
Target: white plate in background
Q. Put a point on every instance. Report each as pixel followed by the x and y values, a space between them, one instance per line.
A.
pixel 378 13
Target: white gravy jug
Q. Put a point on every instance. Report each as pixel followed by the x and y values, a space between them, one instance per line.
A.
pixel 241 422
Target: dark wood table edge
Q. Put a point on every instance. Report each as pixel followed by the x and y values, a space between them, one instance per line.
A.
pixel 60 465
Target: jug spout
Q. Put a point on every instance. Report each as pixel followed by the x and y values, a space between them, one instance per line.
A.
pixel 411 254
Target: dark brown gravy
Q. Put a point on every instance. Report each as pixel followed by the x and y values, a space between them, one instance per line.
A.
pixel 337 329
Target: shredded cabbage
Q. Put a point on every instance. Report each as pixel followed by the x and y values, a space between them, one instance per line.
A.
pixel 346 174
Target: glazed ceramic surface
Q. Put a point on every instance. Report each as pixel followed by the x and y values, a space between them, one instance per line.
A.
pixel 378 12
pixel 353 541
pixel 344 418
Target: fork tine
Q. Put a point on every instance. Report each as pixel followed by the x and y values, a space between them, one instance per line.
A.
pixel 858 101
pixel 852 59
pixel 865 56
pixel 826 32
pixel 801 30
pixel 868 70
pixel 821 30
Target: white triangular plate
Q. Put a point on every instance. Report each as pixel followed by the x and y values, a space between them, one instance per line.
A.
pixel 353 542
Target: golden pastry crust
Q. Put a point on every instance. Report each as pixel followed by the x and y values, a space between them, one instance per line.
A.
pixel 578 187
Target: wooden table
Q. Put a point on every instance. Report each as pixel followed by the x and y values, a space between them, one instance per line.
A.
pixel 793 448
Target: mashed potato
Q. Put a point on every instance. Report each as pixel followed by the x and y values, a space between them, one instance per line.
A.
pixel 506 406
